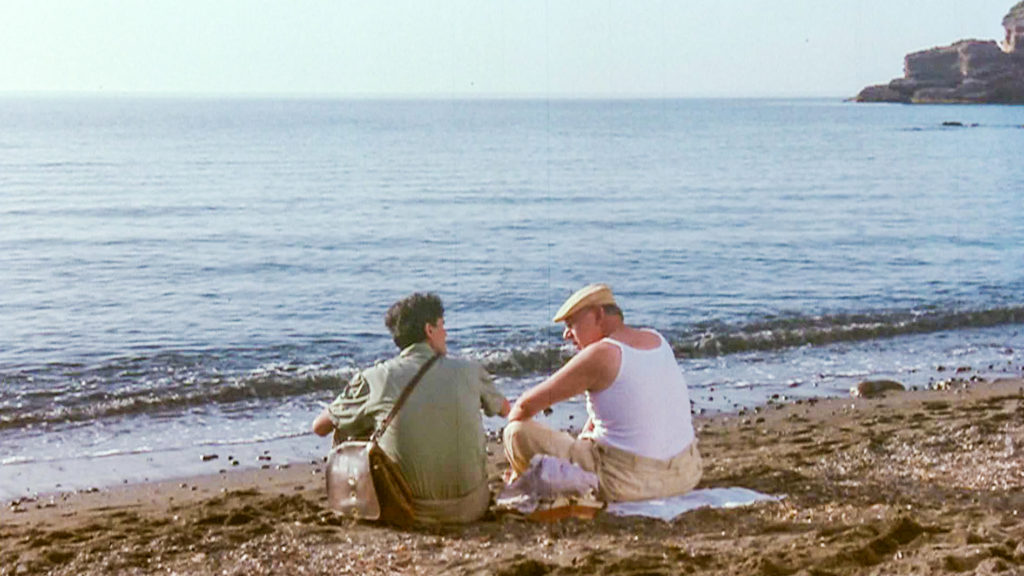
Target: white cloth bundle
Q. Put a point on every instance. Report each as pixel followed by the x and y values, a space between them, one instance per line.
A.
pixel 547 479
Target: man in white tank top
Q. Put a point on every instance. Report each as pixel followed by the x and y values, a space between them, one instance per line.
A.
pixel 639 436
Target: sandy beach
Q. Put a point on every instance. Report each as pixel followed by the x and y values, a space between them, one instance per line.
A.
pixel 916 482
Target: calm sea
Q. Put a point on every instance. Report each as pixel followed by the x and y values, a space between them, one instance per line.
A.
pixel 181 277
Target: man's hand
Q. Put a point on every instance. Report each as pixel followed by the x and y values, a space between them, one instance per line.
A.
pixel 517 412
pixel 323 425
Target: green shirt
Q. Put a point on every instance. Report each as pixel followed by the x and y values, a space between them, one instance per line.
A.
pixel 437 438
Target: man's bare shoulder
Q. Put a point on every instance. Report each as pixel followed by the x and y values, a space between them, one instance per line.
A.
pixel 601 356
pixel 603 349
pixel 639 338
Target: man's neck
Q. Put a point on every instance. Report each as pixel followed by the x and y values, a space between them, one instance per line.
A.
pixel 611 325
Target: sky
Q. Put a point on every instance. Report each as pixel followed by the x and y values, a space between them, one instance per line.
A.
pixel 475 48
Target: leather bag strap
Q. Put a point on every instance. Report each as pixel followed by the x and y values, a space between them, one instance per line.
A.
pixel 402 398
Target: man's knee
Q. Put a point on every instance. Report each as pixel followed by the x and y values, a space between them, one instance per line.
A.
pixel 512 434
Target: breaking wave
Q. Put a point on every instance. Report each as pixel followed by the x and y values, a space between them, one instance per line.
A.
pixel 169 383
pixel 780 333
pixel 718 339
pixel 80 404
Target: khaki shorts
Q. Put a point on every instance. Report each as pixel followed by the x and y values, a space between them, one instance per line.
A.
pixel 622 476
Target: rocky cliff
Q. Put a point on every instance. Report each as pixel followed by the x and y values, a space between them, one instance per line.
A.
pixel 970 71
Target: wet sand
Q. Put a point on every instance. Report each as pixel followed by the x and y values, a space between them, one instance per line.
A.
pixel 925 482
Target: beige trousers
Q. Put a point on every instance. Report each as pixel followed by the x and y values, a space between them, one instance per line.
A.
pixel 622 476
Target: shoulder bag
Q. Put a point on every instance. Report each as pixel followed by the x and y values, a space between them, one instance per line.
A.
pixel 362 481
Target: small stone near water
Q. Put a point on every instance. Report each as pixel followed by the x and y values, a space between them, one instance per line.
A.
pixel 872 388
pixel 208 457
pixel 948 123
pixel 264 457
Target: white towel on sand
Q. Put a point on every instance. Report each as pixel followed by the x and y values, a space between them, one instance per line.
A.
pixel 669 508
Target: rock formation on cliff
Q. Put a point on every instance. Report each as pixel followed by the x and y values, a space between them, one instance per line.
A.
pixel 969 71
pixel 1014 24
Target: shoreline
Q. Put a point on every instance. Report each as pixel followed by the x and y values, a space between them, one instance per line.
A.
pixel 56 456
pixel 911 482
pixel 741 384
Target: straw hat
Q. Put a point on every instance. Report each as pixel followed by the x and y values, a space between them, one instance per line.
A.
pixel 593 295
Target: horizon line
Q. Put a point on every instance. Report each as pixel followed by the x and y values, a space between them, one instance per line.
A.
pixel 156 94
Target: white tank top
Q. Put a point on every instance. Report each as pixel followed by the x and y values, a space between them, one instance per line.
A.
pixel 646 410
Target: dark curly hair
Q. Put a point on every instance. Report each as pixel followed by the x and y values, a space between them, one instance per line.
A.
pixel 407 318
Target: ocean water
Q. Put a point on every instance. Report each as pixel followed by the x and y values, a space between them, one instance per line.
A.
pixel 181 277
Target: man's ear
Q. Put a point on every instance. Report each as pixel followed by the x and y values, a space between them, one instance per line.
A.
pixel 428 329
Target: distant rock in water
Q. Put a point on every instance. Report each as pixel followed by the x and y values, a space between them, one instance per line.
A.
pixel 967 72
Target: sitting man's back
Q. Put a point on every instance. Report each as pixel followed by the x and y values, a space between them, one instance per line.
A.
pixel 437 439
pixel 639 436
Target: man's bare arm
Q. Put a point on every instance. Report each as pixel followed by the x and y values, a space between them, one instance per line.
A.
pixel 592 369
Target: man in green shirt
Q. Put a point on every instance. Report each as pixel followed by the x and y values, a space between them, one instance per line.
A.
pixel 438 438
